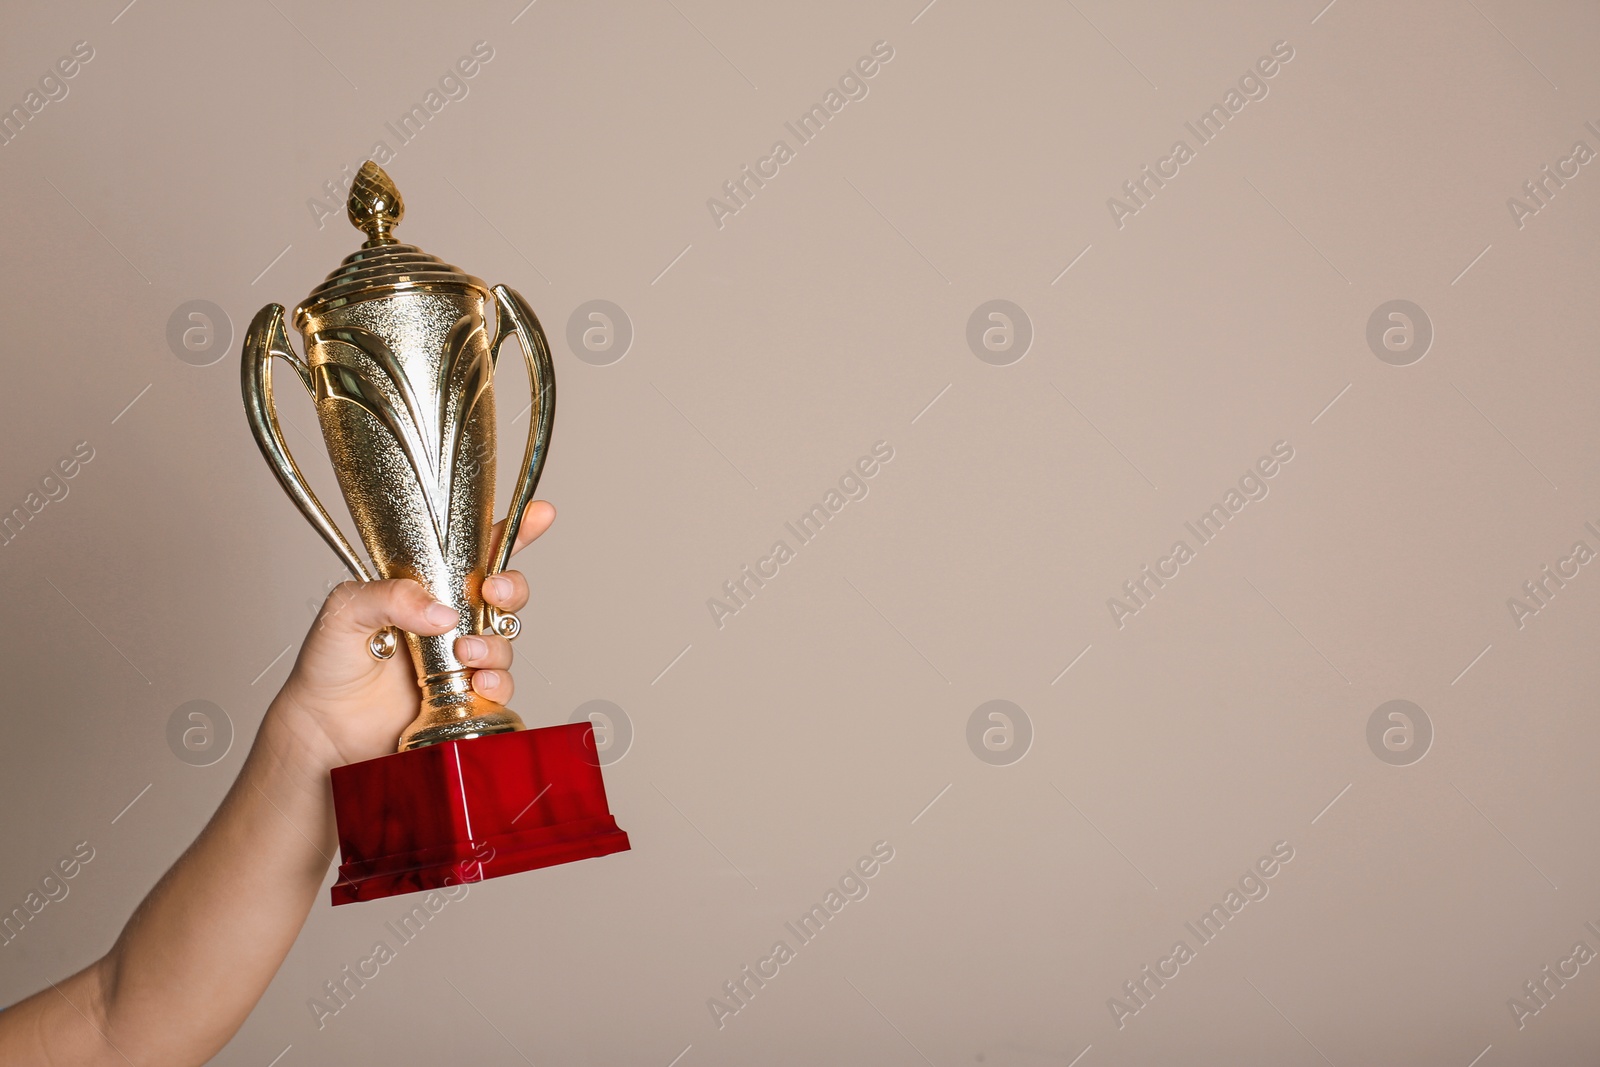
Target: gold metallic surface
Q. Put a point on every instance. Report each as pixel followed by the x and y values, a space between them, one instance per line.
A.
pixel 375 206
pixel 401 368
pixel 382 644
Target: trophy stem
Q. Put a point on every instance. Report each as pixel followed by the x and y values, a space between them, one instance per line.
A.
pixel 453 711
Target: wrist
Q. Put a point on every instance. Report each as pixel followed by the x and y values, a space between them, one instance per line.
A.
pixel 293 740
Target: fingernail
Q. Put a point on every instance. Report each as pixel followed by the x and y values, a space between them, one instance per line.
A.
pixel 442 615
pixel 487 680
pixel 473 647
pixel 497 587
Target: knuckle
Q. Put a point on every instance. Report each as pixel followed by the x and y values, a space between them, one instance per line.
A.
pixel 405 594
pixel 338 602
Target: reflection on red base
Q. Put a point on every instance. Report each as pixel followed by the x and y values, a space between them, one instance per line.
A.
pixel 463 811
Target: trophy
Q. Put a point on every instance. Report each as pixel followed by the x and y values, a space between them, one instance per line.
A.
pixel 401 368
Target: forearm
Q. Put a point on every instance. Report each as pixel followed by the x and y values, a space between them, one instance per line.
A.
pixel 213 931
pixel 220 922
pixel 205 943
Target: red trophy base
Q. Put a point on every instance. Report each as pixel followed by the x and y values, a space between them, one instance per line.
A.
pixel 463 811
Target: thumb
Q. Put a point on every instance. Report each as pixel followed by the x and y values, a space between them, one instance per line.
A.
pixel 354 611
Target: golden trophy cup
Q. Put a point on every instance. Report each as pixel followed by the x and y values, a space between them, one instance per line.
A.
pixel 401 368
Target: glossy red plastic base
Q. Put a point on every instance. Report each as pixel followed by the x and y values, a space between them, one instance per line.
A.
pixel 464 811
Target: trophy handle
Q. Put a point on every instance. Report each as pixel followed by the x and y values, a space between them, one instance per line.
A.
pixel 513 315
pixel 268 338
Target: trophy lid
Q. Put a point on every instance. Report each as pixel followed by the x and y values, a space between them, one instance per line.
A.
pixel 382 266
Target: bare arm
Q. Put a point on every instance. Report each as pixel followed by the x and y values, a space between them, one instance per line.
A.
pixel 205 943
pixel 212 932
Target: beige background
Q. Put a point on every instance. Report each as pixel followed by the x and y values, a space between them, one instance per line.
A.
pixel 828 714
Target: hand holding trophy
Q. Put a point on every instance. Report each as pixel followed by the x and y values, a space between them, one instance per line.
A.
pixel 401 369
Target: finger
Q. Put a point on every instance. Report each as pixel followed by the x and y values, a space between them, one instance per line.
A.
pixel 359 609
pixel 536 519
pixel 496 685
pixel 508 590
pixel 484 651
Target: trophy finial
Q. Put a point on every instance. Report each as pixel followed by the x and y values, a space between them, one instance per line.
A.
pixel 375 206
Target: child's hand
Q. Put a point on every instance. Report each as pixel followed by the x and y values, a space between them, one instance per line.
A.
pixel 347 706
pixel 217 926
